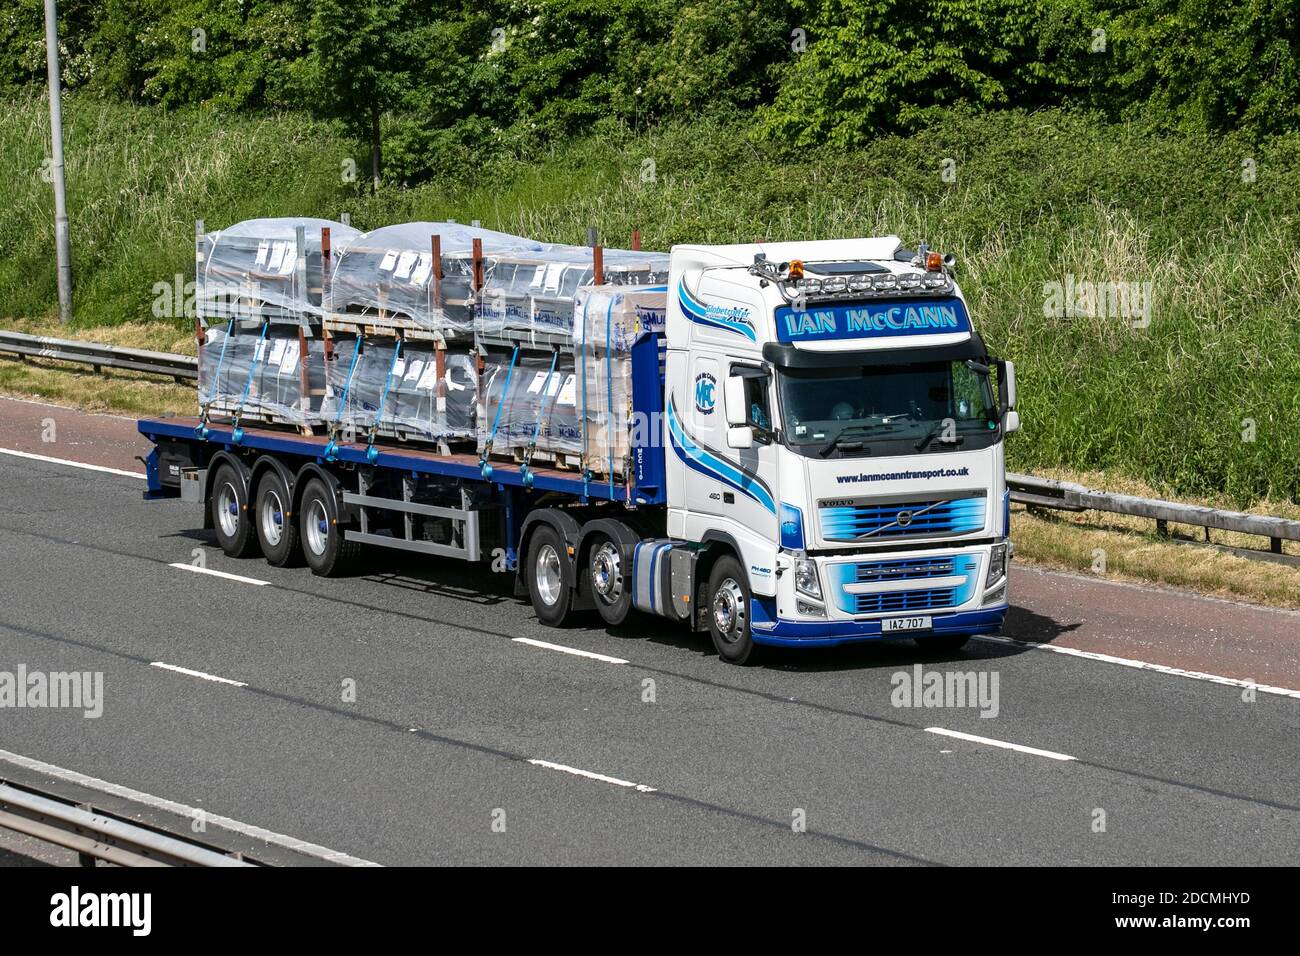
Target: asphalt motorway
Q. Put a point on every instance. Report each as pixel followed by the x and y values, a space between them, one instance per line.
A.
pixel 406 716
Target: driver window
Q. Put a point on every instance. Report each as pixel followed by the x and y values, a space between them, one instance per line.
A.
pixel 756 400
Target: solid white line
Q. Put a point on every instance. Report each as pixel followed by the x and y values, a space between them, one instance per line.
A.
pixel 1050 754
pixel 194 813
pixel 1144 665
pixel 217 574
pixel 578 772
pixel 199 674
pixel 568 650
pixel 74 464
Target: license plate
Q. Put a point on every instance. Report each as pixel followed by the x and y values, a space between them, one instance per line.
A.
pixel 891 625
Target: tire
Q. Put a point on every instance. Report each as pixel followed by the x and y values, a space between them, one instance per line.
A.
pixel 942 643
pixel 610 582
pixel 544 571
pixel 728 612
pixel 277 532
pixel 323 545
pixel 230 513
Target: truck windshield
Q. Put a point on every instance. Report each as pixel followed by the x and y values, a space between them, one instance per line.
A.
pixel 887 409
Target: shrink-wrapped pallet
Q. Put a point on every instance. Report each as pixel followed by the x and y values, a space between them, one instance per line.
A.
pixel 257 268
pixel 570 424
pixel 388 274
pixel 613 318
pixel 259 375
pixel 407 383
pixel 534 293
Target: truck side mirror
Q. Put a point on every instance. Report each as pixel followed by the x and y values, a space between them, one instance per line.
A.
pixel 1007 384
pixel 735 401
pixel 1010 421
pixel 740 436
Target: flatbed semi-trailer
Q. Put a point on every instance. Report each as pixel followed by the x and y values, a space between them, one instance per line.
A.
pixel 817 458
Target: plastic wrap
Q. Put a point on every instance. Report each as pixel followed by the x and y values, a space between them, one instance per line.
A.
pixel 389 272
pixel 534 293
pixel 553 409
pixel 414 405
pixel 256 268
pixel 261 375
pixel 610 317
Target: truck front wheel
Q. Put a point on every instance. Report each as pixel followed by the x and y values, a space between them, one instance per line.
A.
pixel 230 514
pixel 545 568
pixel 728 611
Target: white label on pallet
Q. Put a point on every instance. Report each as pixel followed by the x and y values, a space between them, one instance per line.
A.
pixel 289 262
pixel 404 263
pixel 568 394
pixel 289 361
pixel 414 371
pixel 422 271
pixel 399 368
pixel 553 274
pixel 390 259
pixel 539 277
pixel 277 351
pixel 263 248
pixel 429 377
pixel 538 381
pixel 277 256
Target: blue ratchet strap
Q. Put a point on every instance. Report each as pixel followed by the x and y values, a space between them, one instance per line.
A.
pixel 203 430
pixel 331 450
pixel 609 393
pixel 483 465
pixel 371 451
pixel 237 435
pixel 537 425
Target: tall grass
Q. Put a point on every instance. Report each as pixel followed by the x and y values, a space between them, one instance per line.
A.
pixel 1205 400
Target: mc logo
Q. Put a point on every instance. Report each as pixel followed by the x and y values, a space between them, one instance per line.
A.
pixel 706 388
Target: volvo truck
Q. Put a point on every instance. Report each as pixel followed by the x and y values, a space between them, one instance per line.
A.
pixel 816 441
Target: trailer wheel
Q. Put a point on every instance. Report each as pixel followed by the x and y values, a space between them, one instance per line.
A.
pixel 545 568
pixel 277 532
pixel 728 611
pixel 942 643
pixel 323 545
pixel 611 585
pixel 230 515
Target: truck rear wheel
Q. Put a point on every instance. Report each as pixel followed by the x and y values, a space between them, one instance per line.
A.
pixel 230 514
pixel 545 568
pixel 728 611
pixel 277 532
pixel 323 544
pixel 611 586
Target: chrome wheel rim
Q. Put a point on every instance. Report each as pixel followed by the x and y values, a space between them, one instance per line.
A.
pixel 607 573
pixel 271 518
pixel 228 510
pixel 546 572
pixel 316 526
pixel 729 612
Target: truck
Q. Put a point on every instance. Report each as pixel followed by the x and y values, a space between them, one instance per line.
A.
pixel 816 457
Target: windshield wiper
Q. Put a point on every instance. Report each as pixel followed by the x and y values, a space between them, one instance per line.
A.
pixel 860 426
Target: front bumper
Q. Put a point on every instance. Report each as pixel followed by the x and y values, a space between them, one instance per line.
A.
pixel 767 629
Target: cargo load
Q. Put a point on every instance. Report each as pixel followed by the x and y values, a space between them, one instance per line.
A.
pixel 409 390
pixel 266 268
pixel 387 277
pixel 250 371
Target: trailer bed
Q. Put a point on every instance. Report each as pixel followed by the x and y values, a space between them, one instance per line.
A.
pixel 406 458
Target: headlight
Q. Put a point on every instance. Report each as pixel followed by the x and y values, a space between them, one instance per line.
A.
pixel 997 565
pixel 805 578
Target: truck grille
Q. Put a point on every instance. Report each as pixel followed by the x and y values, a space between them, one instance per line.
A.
pixel 902 519
pixel 904 601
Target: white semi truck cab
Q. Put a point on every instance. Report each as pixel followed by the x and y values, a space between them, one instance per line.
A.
pixel 835 427
pixel 812 450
